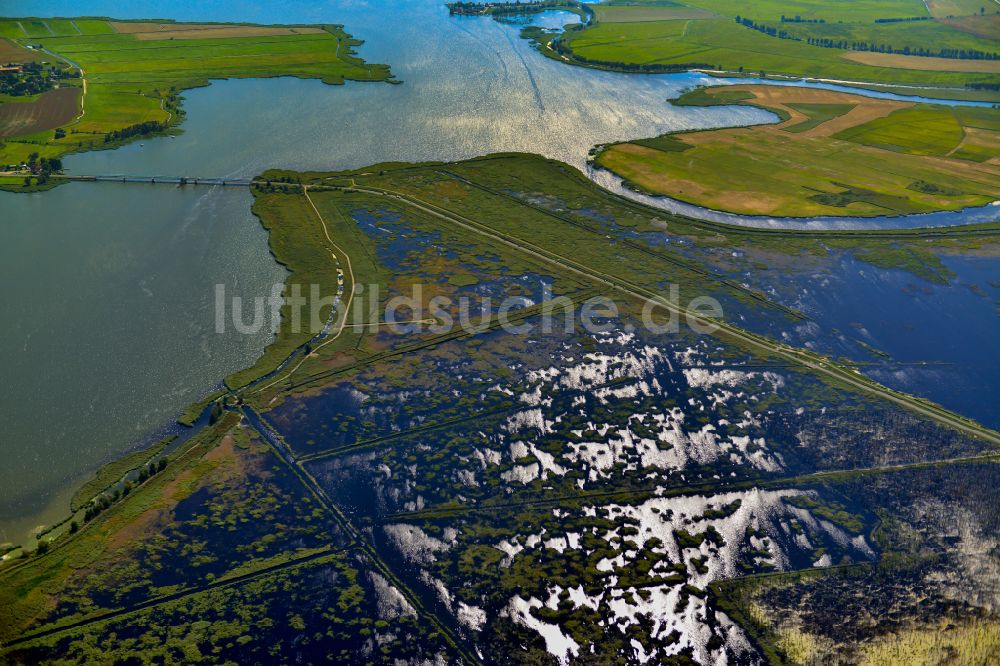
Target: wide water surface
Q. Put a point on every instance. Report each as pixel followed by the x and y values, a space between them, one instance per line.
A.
pixel 108 323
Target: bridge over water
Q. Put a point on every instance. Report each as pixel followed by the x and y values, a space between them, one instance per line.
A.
pixel 159 180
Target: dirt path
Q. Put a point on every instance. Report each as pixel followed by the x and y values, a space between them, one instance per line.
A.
pixel 341 320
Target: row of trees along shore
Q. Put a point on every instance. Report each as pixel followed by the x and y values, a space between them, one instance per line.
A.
pixel 140 129
pixel 848 45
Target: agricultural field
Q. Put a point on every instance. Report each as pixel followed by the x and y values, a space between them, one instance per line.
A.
pixel 135 71
pixel 35 28
pixel 930 130
pixel 12 53
pixel 481 494
pixel 93 27
pixel 62 27
pixel 832 154
pixel 856 11
pixel 897 61
pixel 987 26
pixel 945 8
pixel 817 114
pixel 639 13
pixel 47 111
pixel 807 38
pixel 903 34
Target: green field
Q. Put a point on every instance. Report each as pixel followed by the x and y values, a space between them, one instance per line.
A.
pixel 62 27
pixel 944 8
pixel 298 241
pixel 11 30
pixel 112 472
pixel 862 11
pixel 36 28
pixel 817 113
pixel 723 44
pixel 911 34
pixel 634 13
pixel 668 36
pixel 713 97
pixel 889 162
pixel 93 27
pixel 916 131
pixel 135 77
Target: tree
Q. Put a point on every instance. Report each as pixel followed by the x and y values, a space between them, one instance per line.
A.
pixel 216 413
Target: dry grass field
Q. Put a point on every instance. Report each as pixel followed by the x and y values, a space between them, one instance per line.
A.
pixel 897 61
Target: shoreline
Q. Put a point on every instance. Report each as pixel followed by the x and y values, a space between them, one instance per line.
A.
pixel 704 97
pixel 543 39
pixel 171 101
pixel 59 512
pixel 669 204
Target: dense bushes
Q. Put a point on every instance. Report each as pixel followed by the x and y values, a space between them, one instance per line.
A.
pixel 141 129
pixel 99 504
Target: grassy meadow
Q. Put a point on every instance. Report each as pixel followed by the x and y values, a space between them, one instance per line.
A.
pixel 833 154
pixel 135 70
pixel 859 11
pixel 704 34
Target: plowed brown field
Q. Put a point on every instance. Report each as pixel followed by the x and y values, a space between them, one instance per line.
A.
pixel 50 110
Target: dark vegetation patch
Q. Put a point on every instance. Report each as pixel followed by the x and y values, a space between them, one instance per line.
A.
pixel 666 142
pixel 931 188
pixel 892 204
